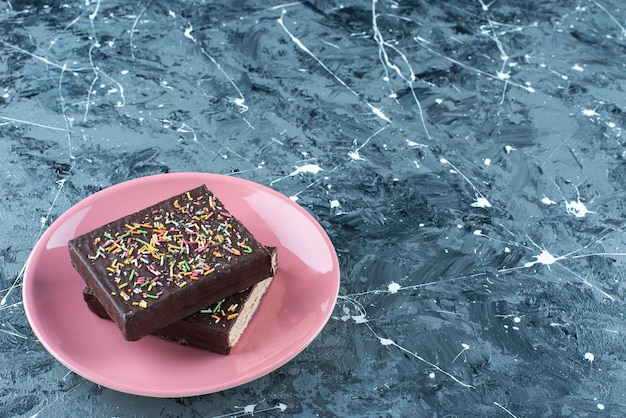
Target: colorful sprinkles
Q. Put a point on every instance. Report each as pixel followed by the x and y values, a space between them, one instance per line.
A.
pixel 171 246
pixel 223 310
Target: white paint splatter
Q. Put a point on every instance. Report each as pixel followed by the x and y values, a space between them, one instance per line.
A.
pixel 544 258
pixel 577 208
pixel 465 348
pixel 393 287
pixel 355 156
pixel 187 33
pixel 282 406
pixel 508 149
pixel 307 168
pixel 240 101
pixel 590 357
pixel 414 144
pixel 334 204
pixel 386 341
pixel 438 101
pixel 590 112
pixel 487 161
pixel 359 319
pixel 547 201
pixel 431 375
pixel 249 409
pixel 481 202
pixel 379 113
pixel 479 233
pixel 577 67
pixel 345 316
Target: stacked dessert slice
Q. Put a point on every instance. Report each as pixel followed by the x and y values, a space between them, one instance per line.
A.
pixel 185 269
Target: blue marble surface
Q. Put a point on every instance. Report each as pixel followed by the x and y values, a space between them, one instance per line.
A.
pixel 467 160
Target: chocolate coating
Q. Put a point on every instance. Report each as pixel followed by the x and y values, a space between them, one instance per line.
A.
pixel 163 263
pixel 217 328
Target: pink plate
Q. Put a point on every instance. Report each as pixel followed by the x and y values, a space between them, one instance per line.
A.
pixel 292 313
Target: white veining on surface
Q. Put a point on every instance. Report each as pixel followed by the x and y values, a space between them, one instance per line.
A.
pixel 481 200
pixel 384 57
pixel 251 409
pixel 375 110
pixel 533 129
